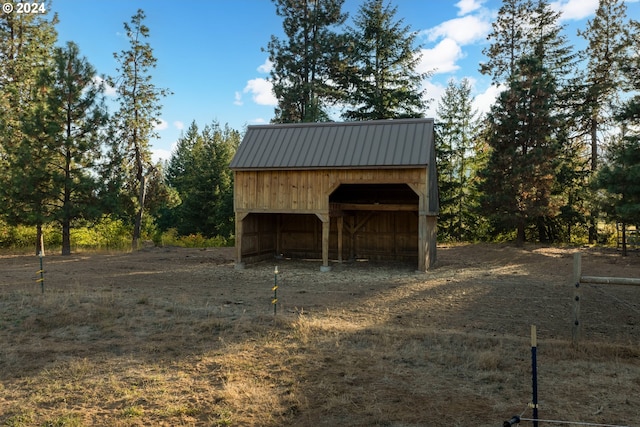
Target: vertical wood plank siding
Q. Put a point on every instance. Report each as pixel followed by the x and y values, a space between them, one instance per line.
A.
pixel 289 191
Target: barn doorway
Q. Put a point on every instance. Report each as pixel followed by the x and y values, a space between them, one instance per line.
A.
pixel 374 221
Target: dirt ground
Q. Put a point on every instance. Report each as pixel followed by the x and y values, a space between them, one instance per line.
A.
pixel 504 288
pixel 365 344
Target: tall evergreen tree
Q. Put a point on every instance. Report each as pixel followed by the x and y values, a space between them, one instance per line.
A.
pixel 26 46
pixel 183 176
pixel 306 61
pixel 629 115
pixel 509 40
pixel 517 183
pixel 383 82
pixel 76 103
pixel 457 130
pixel 606 48
pixel 199 171
pixel 138 114
pixel 620 179
pixel 551 46
pixel 600 81
pixel 531 53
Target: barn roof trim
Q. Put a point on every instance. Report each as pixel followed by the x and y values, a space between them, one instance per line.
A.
pixel 364 144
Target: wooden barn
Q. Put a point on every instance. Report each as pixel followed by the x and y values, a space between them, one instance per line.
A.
pixel 336 191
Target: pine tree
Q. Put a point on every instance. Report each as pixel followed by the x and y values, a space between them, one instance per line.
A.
pixel 531 53
pixel 620 176
pixel 199 172
pixel 383 82
pixel 600 82
pixel 606 48
pixel 182 175
pixel 509 40
pixel 620 179
pixel 457 130
pixel 305 63
pixel 76 103
pixel 551 46
pixel 518 180
pixel 139 112
pixel 26 46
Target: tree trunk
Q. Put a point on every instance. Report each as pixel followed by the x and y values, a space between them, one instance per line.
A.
pixel 66 237
pixel 66 203
pixel 39 241
pixel 520 237
pixel 137 228
pixel 593 219
pixel 624 239
pixel 543 235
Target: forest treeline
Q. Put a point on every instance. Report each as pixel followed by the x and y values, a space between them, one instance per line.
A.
pixel 557 154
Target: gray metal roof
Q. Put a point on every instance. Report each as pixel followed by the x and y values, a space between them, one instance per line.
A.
pixel 364 144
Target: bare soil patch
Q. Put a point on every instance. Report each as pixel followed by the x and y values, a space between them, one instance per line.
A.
pixel 172 336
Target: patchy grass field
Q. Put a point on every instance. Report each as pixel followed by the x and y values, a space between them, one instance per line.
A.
pixel 171 337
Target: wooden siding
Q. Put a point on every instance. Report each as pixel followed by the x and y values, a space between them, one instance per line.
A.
pixel 307 191
pixel 259 235
pixel 377 235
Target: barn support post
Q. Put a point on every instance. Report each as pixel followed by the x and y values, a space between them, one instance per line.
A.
pixel 326 228
pixel 278 235
pixel 422 242
pixel 427 244
pixel 240 216
pixel 340 221
pixel 431 255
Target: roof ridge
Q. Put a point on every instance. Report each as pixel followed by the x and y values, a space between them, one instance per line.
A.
pixel 349 123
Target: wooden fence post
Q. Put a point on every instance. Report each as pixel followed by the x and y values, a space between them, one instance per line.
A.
pixel 577 296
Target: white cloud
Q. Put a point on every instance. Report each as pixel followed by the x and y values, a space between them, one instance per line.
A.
pixel 464 30
pixel 108 90
pixel 159 154
pixel 574 9
pixel 434 93
pixel 442 58
pixel 237 99
pixel 485 100
pixel 468 6
pixel 161 124
pixel 481 102
pixel 258 121
pixel 178 125
pixel 261 90
pixel 266 67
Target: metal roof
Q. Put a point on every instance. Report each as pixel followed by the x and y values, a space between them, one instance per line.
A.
pixel 363 144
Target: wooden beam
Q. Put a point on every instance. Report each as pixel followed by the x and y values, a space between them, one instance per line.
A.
pixel 239 224
pixel 340 227
pixel 431 243
pixel 610 280
pixel 326 228
pixel 422 243
pixel 395 207
pixel 278 234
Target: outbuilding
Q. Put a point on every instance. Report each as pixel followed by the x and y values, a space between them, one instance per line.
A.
pixel 336 191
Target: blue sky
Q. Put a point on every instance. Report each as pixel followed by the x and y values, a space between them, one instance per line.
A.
pixel 210 54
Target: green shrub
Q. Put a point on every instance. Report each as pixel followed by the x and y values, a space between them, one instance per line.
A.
pixel 171 238
pixel 107 233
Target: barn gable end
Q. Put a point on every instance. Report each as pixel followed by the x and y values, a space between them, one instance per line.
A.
pixel 337 190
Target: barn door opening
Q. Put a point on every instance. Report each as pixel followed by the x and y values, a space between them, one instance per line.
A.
pixel 375 221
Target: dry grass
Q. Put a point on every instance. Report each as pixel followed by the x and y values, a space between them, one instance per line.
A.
pixel 173 337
